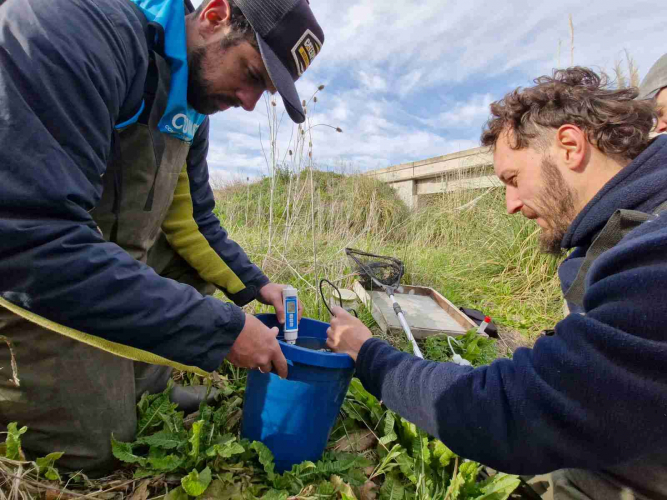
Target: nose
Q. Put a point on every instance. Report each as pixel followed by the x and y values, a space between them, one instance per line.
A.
pixel 512 201
pixel 248 97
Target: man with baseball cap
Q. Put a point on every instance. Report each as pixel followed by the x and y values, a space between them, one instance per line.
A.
pixel 654 87
pixel 110 250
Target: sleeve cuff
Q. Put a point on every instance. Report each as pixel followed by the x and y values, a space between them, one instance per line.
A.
pixel 227 333
pixel 250 292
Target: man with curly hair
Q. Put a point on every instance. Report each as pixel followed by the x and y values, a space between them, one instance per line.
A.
pixel 590 401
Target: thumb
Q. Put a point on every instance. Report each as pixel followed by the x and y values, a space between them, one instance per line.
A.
pixel 338 311
pixel 275 331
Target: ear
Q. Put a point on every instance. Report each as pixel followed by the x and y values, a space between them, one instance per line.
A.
pixel 572 146
pixel 214 17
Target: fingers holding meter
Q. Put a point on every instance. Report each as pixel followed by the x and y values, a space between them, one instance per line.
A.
pixel 291 307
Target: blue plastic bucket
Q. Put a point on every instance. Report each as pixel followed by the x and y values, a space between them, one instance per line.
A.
pixel 294 417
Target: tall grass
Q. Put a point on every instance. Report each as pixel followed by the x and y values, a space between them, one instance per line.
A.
pixel 463 244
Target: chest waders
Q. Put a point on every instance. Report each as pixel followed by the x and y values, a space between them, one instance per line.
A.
pixel 77 389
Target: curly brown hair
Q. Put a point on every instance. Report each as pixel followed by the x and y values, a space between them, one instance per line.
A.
pixel 616 123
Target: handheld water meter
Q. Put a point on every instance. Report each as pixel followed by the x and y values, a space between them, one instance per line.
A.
pixel 291 306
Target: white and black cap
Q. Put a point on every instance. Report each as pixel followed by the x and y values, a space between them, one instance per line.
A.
pixel 289 38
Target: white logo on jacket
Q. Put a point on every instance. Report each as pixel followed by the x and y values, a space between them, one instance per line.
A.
pixel 182 122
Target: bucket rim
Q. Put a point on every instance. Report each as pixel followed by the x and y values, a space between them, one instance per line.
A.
pixel 306 356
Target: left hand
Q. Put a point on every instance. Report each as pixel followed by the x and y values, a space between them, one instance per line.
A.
pixel 271 294
pixel 346 334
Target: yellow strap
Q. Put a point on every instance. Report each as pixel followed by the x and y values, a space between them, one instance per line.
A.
pixel 182 232
pixel 106 345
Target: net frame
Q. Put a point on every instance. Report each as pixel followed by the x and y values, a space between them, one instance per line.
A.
pixel 379 270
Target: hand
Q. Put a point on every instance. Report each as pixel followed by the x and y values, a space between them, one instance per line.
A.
pixel 257 347
pixel 271 294
pixel 346 334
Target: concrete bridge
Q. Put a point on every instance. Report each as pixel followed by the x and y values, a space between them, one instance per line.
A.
pixel 470 169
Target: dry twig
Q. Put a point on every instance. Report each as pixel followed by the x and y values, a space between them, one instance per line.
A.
pixel 15 371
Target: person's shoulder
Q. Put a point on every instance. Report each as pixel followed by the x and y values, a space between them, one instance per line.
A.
pixel 644 242
pixel 59 20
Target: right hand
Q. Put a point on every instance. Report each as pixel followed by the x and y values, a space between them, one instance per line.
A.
pixel 257 347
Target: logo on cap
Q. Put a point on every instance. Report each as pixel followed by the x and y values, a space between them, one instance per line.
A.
pixel 305 51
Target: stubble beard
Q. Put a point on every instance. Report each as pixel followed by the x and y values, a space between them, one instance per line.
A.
pixel 200 96
pixel 557 206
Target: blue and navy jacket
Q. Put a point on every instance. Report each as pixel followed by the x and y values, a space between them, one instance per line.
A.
pixel 72 71
pixel 592 396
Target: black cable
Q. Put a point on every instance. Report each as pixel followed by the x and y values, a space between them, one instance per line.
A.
pixel 340 297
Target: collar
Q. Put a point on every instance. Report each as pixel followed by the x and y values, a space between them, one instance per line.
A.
pixel 180 120
pixel 642 186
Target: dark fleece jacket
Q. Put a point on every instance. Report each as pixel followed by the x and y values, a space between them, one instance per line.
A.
pixel 592 396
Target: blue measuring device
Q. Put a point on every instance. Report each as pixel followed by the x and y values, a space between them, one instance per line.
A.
pixel 291 306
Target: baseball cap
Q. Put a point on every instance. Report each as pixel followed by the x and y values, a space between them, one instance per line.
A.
pixel 289 38
pixel 655 80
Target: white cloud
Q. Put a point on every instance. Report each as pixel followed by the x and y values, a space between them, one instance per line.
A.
pixel 413 79
pixel 374 83
pixel 463 114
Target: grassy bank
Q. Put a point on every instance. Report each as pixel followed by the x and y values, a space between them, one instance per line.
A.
pixel 462 244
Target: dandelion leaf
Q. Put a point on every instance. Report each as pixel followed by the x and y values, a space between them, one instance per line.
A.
pixel 195 483
pixel 13 441
pixel 46 466
pixel 123 452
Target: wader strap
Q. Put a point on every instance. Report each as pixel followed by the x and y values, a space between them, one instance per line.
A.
pixel 617 227
pixel 121 350
pixel 155 39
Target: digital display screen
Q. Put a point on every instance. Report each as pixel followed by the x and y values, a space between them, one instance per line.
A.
pixel 291 307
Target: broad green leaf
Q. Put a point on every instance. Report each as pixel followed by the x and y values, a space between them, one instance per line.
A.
pixel 498 487
pixel 407 466
pixel 167 463
pixel 13 441
pixel 177 494
pixel 455 486
pixel 196 483
pixel 123 452
pixel 351 411
pixel 410 431
pixel 343 488
pixel 273 494
pixel 326 488
pixel 195 438
pixel 265 458
pixel 295 479
pixel 389 433
pixel 443 454
pixel 469 470
pixel 367 399
pixel 46 466
pixel 163 439
pixel 392 489
pixel 225 447
pixel 154 413
pixel 220 490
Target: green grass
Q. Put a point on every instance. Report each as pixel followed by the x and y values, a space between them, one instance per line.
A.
pixel 477 257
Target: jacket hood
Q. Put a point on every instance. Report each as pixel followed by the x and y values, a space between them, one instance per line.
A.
pixel 642 185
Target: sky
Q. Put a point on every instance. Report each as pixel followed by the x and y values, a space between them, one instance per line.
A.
pixel 411 80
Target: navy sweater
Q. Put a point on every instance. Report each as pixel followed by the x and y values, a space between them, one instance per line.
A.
pixel 592 396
